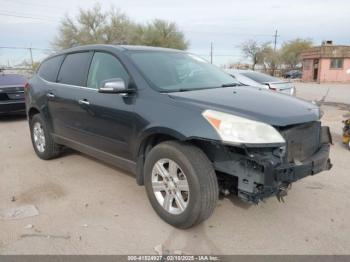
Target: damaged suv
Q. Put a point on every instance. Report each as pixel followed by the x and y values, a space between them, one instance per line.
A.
pixel 185 128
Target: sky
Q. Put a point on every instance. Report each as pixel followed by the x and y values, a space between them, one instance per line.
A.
pixel 225 23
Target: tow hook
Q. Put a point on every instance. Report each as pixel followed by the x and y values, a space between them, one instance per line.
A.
pixel 283 191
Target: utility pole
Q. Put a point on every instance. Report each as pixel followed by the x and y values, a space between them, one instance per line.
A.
pixel 275 43
pixel 273 65
pixel 211 52
pixel 31 57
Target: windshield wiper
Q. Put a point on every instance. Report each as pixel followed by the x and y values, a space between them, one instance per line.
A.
pixel 231 84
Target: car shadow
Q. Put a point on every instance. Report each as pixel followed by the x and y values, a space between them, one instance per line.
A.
pixel 68 152
pixel 236 201
pixel 13 117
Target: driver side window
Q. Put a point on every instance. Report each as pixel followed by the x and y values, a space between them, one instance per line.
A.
pixel 103 67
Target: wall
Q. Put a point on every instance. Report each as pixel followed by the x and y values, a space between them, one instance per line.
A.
pixel 307 70
pixel 334 75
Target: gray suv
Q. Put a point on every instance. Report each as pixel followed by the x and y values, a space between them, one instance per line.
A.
pixel 183 127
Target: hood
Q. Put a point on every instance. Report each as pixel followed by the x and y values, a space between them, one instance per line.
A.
pixel 256 104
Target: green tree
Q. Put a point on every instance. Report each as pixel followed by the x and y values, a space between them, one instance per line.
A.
pixel 94 26
pixel 290 51
pixel 165 34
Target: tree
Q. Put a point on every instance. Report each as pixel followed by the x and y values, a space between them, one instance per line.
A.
pixel 165 34
pixel 255 51
pixel 291 50
pixel 271 57
pixel 93 26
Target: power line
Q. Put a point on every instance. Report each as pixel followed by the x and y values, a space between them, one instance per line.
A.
pixel 26 48
pixel 228 34
pixel 27 17
pixel 35 4
pixel 6 11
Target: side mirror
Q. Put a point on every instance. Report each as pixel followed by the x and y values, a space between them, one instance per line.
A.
pixel 114 86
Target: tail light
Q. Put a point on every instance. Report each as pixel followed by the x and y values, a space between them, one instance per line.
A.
pixel 271 87
pixel 26 86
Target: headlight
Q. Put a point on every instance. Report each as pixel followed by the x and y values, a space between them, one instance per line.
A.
pixel 238 130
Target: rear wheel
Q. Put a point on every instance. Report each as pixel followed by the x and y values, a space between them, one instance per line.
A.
pixel 181 183
pixel 42 140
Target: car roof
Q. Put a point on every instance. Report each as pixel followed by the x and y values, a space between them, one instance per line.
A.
pixel 148 48
pixel 12 79
pixel 106 47
pixel 116 47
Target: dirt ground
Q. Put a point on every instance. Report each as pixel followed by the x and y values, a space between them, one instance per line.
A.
pixel 88 207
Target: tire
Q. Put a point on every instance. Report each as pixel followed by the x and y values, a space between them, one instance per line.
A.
pixel 192 165
pixel 50 149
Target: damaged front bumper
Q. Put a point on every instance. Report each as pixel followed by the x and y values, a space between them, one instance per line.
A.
pixel 278 178
pixel 264 172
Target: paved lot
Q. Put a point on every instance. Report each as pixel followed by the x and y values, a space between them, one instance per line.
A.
pixel 88 207
pixel 339 93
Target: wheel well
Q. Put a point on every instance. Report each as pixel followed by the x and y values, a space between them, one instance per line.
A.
pixel 33 111
pixel 146 146
pixel 152 141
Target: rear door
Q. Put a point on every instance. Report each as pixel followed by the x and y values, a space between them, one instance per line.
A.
pixel 108 118
pixel 63 96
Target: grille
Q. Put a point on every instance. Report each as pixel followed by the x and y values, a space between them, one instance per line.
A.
pixel 302 141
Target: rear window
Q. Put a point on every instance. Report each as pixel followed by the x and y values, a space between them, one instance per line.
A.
pixel 259 77
pixel 74 69
pixel 49 69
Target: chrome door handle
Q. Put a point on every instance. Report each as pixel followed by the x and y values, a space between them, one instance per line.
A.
pixel 83 102
pixel 50 95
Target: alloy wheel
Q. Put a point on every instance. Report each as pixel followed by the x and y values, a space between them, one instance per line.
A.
pixel 39 137
pixel 170 186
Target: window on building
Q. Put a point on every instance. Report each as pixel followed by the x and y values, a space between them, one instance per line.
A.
pixel 307 64
pixel 336 63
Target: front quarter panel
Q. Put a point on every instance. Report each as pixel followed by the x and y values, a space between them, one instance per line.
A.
pixel 157 113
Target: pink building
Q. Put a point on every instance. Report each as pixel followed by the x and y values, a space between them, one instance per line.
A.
pixel 326 63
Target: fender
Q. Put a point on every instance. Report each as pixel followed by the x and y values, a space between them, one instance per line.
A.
pixel 140 144
pixel 155 130
pixel 43 110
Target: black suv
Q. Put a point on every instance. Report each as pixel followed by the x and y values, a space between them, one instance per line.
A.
pixel 185 128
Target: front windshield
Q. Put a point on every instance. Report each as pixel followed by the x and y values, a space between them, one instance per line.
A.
pixel 177 71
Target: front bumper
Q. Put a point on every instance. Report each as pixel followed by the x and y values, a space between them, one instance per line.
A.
pixel 7 107
pixel 314 165
pixel 262 172
pixel 278 178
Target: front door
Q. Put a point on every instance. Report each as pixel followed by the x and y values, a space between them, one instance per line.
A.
pixel 108 118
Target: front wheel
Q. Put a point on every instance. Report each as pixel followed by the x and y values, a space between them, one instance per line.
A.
pixel 181 183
